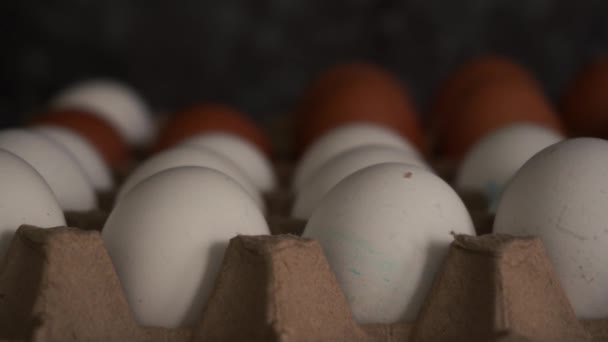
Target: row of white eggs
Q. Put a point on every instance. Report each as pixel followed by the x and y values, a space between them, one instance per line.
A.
pixel 486 169
pixel 223 152
pixel 384 229
pixel 360 256
pixel 539 184
pixel 75 170
pixel 195 200
pixel 384 225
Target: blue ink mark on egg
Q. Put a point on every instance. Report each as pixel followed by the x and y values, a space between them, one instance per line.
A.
pixel 354 271
pixel 493 191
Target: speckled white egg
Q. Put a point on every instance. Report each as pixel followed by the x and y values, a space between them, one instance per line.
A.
pixel 243 153
pixel 343 165
pixel 561 196
pixel 342 139
pixel 86 154
pixel 385 231
pixel 167 239
pixel 114 102
pixel 26 199
pixel 59 169
pixel 189 156
pixel 495 158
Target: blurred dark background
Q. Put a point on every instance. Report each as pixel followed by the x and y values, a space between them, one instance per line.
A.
pixel 258 55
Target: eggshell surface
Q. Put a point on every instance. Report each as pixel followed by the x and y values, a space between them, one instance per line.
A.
pixel 385 231
pixel 492 107
pixel 188 156
pixel 342 139
pixel 343 165
pixel 56 165
pixel 495 158
pixel 211 118
pixel 244 154
pixel 98 132
pixel 26 199
pixel 356 92
pixel 167 239
pixel 87 156
pixel 561 196
pixel 475 73
pixel 114 102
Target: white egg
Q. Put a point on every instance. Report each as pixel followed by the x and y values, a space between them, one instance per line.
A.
pixel 385 231
pixel 86 154
pixel 343 165
pixel 342 139
pixel 561 196
pixel 26 199
pixel 188 156
pixel 495 158
pixel 167 239
pixel 59 169
pixel 114 102
pixel 243 153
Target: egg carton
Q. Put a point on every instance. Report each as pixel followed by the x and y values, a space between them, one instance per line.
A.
pixel 59 284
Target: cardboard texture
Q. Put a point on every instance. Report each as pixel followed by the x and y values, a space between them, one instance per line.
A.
pixel 497 284
pixel 59 285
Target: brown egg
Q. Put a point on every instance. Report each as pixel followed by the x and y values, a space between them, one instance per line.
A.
pixel 98 132
pixel 356 92
pixel 585 102
pixel 489 107
pixel 210 118
pixel 474 74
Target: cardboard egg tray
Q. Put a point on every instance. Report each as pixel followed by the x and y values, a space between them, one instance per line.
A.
pixel 59 285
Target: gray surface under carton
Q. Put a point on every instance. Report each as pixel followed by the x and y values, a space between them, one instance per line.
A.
pixel 59 284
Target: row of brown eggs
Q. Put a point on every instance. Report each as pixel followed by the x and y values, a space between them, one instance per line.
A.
pixel 484 94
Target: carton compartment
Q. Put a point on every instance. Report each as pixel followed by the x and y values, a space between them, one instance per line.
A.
pixel 59 284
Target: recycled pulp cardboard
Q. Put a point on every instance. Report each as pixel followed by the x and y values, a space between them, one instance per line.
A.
pixel 59 284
